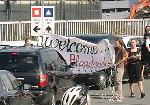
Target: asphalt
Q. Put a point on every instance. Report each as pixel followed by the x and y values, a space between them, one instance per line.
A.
pixel 101 97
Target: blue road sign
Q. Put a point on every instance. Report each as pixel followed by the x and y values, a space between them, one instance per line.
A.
pixel 48 12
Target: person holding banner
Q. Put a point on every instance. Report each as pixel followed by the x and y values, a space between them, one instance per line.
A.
pixel 120 58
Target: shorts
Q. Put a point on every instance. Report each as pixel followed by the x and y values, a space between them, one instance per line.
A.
pixel 134 72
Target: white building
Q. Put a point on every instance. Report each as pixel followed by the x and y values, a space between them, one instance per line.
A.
pixel 115 9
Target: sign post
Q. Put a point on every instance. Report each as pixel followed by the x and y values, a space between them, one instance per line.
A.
pixel 42 20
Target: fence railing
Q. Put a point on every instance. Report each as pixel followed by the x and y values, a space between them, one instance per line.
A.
pixel 15 31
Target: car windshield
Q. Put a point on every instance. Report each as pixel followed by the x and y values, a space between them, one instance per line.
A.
pixel 18 62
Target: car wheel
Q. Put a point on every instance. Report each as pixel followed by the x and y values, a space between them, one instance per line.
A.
pixel 102 80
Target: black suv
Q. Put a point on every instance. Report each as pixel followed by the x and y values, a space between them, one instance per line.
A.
pixel 43 68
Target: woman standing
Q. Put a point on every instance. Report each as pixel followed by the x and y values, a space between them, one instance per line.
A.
pixel 134 68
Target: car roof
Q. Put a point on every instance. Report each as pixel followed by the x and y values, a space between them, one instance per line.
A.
pixel 22 49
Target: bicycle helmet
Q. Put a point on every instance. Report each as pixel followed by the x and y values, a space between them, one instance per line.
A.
pixel 76 95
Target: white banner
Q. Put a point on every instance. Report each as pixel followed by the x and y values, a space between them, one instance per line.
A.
pixel 89 57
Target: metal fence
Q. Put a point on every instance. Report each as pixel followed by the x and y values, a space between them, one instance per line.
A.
pixel 15 31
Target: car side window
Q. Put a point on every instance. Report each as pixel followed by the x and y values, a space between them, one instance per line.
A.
pixel 7 82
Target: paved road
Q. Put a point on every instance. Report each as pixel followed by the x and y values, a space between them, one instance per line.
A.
pixel 98 100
